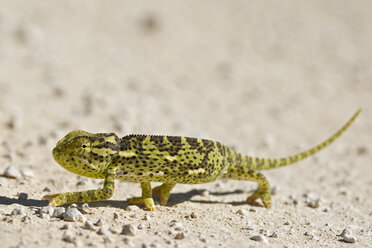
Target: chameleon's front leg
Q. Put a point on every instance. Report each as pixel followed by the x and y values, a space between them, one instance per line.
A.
pixel 146 197
pixel 84 196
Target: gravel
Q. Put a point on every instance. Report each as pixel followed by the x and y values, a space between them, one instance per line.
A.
pixel 18 211
pixel 48 210
pixel 347 236
pixel 103 231
pixel 89 226
pixel 129 230
pixel 12 171
pixel 72 214
pixel 260 238
pixel 22 196
pixel 59 212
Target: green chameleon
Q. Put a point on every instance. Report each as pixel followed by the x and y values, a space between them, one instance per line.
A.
pixel 166 159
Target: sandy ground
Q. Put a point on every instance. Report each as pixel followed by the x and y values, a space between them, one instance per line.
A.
pixel 269 78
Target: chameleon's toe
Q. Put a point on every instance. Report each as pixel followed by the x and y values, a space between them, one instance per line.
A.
pixel 265 198
pixel 148 202
pixel 51 199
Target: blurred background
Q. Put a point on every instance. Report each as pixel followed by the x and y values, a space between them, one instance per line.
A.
pixel 248 73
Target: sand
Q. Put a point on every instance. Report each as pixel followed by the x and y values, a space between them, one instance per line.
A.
pixel 268 78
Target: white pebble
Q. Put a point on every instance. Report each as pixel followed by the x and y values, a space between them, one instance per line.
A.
pixel 147 217
pixel 12 171
pixel 312 200
pixel 72 214
pixel 141 226
pixel 103 231
pixel 347 236
pixel 27 173
pixel 47 210
pixel 89 225
pixel 193 215
pixel 58 212
pixel 260 238
pixel 132 208
pixel 114 230
pixel 129 230
pixel 275 234
pixel 176 225
pixel 68 237
pixel 18 211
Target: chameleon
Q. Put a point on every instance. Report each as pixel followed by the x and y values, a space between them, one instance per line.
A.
pixel 170 160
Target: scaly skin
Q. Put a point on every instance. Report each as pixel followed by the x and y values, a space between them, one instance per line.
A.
pixel 167 159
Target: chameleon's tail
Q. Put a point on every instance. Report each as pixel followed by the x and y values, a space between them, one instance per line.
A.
pixel 264 163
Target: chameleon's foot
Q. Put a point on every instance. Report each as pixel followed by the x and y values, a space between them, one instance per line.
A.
pixel 265 198
pixel 163 199
pixel 163 192
pixel 148 202
pixel 52 199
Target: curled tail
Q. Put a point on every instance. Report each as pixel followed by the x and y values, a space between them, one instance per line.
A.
pixel 253 163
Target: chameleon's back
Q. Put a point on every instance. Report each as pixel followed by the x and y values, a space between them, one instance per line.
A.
pixel 170 159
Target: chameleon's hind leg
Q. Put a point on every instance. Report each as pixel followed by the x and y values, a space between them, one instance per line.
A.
pixel 84 196
pixel 263 190
pixel 146 198
pixel 163 192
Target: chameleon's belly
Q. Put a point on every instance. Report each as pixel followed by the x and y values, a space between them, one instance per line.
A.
pixel 172 159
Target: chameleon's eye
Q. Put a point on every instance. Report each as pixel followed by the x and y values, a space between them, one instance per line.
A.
pixel 84 146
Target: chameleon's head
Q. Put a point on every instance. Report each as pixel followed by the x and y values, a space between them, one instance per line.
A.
pixel 85 153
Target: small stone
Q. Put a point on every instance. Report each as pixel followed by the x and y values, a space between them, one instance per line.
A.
pixel 312 200
pixel 180 235
pixel 73 205
pixel 28 173
pixel 26 219
pixel 362 150
pixel 85 206
pixel 89 226
pixel 65 226
pixel 12 171
pixel 176 225
pixel 132 208
pixel 141 226
pixel 260 238
pixel 129 230
pixel 205 193
pixel 193 215
pixel 68 237
pixel 312 235
pixel 22 196
pixel 275 234
pixel 47 210
pixel 18 211
pixel 44 216
pixel 103 231
pixel 147 217
pixel 116 216
pixel 58 212
pixel 46 189
pixel 114 230
pixel 250 228
pixel 72 214
pixel 242 212
pixel 347 236
pixel 99 222
pixel 128 242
